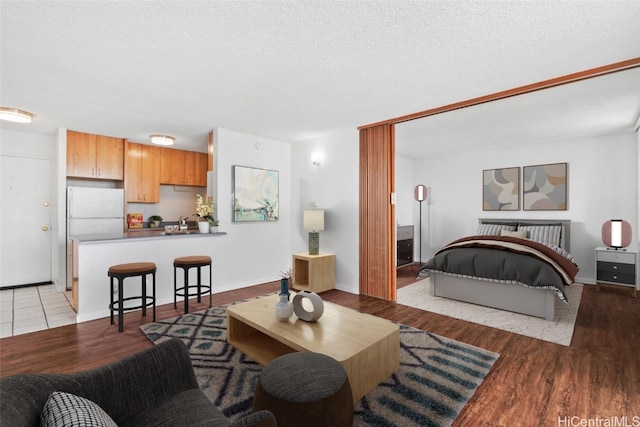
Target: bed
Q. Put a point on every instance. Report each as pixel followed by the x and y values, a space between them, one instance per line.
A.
pixel 514 265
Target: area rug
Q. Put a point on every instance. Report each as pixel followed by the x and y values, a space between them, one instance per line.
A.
pixel 559 331
pixel 437 375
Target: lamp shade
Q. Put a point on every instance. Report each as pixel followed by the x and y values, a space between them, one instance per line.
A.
pixel 616 233
pixel 314 220
pixel 420 192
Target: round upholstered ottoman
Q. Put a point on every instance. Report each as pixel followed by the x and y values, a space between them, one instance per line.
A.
pixel 305 389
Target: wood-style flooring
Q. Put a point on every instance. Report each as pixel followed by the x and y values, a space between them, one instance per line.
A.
pixel 533 383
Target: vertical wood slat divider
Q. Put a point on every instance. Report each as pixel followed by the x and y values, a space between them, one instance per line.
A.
pixel 377 214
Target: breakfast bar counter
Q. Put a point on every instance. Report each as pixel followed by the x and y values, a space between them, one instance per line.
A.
pixel 94 254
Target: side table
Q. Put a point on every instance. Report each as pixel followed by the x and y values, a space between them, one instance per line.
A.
pixel 617 267
pixel 314 273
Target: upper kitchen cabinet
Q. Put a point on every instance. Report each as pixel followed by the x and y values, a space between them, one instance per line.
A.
pixel 142 173
pixel 179 167
pixel 94 156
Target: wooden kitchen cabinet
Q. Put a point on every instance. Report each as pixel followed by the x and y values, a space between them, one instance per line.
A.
pixel 180 167
pixel 94 156
pixel 142 173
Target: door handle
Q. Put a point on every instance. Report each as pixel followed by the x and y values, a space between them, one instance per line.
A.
pixel 45 204
pixel 45 228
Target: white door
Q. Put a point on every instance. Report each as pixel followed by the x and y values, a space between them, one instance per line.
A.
pixel 25 220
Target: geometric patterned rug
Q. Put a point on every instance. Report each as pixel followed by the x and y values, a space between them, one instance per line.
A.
pixel 437 375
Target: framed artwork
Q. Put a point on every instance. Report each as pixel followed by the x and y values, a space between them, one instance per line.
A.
pixel 545 187
pixel 501 189
pixel 255 194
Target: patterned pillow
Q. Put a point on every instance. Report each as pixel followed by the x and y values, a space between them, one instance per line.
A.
pixel 66 409
pixel 494 229
pixel 547 234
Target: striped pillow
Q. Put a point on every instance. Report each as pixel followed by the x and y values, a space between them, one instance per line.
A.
pixel 494 229
pixel 547 234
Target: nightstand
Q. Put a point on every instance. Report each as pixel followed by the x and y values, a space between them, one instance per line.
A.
pixel 314 273
pixel 617 268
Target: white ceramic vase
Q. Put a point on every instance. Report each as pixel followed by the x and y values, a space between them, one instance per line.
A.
pixel 203 227
pixel 284 308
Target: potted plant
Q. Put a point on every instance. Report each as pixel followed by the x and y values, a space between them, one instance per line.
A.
pixel 154 221
pixel 203 212
pixel 213 223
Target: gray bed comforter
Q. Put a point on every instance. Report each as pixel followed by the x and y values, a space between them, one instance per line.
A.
pixel 507 260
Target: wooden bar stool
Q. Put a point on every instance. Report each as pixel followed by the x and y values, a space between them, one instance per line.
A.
pixel 122 271
pixel 187 262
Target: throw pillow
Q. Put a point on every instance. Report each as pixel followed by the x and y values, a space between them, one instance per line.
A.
pixel 521 234
pixel 66 409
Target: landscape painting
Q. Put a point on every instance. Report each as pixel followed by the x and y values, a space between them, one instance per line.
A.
pixel 255 194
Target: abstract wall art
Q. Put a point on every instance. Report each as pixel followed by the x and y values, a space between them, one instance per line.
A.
pixel 255 194
pixel 545 187
pixel 501 189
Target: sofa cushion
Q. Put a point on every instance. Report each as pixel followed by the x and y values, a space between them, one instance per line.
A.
pixel 189 408
pixel 68 410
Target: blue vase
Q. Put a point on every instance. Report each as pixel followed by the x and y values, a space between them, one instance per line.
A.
pixel 284 287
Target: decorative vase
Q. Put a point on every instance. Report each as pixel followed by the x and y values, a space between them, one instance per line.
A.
pixel 284 308
pixel 203 227
pixel 284 287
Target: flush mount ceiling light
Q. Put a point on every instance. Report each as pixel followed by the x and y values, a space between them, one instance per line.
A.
pixel 162 139
pixel 15 115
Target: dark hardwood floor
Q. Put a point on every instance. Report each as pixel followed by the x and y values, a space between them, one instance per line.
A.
pixel 533 383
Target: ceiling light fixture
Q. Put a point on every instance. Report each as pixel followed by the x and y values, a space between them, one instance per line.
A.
pixel 15 115
pixel 162 139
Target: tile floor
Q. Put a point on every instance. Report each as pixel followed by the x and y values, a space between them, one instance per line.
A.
pixel 34 308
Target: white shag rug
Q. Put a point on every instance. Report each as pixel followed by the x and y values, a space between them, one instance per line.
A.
pixel 559 331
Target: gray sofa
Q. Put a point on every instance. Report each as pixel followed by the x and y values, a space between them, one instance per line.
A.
pixel 155 387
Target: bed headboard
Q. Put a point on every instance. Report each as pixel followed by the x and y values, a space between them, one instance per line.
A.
pixel 565 234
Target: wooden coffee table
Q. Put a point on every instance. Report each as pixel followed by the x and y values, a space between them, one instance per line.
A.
pixel 368 347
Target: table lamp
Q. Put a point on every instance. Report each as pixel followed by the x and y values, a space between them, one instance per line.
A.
pixel 313 223
pixel 616 233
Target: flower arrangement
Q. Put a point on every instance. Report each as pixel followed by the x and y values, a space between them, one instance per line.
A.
pixel 204 209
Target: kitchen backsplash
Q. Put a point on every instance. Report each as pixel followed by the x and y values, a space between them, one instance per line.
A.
pixel 175 202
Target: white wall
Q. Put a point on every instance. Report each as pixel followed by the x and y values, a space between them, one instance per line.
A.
pixel 334 187
pixel 602 184
pixel 257 251
pixel 404 191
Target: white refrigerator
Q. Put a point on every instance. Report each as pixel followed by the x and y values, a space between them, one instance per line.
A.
pixel 91 211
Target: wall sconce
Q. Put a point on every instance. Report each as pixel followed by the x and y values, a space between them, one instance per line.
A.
pixel 316 158
pixel 313 223
pixel 162 139
pixel 15 115
pixel 616 233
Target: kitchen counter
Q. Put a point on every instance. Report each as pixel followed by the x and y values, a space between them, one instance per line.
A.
pixel 141 234
pixel 96 253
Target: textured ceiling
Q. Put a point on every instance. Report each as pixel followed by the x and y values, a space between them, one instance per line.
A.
pixel 295 70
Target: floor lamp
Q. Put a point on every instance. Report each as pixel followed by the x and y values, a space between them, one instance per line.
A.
pixel 420 194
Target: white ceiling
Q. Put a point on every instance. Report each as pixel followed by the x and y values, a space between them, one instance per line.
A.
pixel 296 70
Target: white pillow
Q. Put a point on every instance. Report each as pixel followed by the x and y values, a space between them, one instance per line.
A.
pixel 68 410
pixel 521 233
